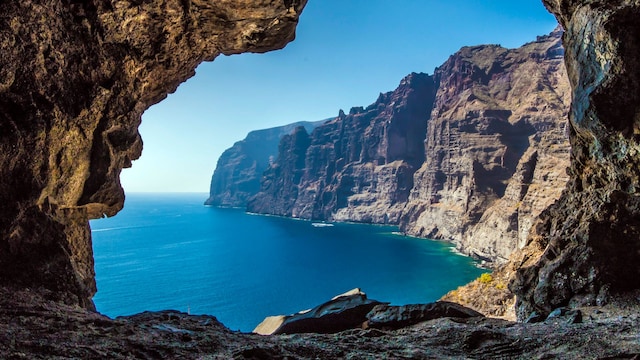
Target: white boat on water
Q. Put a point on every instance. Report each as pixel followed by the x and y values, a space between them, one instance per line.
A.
pixel 321 224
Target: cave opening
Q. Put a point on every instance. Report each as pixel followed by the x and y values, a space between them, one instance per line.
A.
pixel 313 77
pixel 73 101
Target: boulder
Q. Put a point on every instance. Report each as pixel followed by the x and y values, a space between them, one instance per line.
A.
pixel 395 317
pixel 343 312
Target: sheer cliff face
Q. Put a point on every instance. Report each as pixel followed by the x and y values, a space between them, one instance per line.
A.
pixel 490 150
pixel 75 78
pixel 586 247
pixel 356 167
pixel 239 170
pixel 496 147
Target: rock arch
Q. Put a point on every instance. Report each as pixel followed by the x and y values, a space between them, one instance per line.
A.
pixel 75 78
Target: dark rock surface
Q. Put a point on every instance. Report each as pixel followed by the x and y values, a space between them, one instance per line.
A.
pixel 358 166
pixel 239 169
pixel 586 247
pixel 396 317
pixel 34 328
pixel 75 78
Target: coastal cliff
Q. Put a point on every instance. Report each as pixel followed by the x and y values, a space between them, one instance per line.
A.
pixel 472 154
pixel 582 250
pixel 357 166
pixel 497 147
pixel 239 168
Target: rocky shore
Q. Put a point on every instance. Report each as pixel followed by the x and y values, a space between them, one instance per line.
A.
pixel 32 327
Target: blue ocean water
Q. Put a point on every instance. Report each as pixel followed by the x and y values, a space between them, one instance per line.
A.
pixel 168 251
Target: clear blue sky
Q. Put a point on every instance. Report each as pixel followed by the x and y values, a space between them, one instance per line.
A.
pixel 346 53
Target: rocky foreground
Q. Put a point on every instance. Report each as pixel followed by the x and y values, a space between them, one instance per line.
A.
pixel 34 328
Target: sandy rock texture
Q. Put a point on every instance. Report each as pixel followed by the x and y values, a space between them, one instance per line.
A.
pixel 75 78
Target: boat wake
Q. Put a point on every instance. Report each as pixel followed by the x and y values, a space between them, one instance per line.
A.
pixel 321 224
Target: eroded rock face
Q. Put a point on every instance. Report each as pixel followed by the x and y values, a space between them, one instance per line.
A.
pixel 239 169
pixel 75 78
pixel 587 246
pixel 357 166
pixel 496 147
pixel 471 155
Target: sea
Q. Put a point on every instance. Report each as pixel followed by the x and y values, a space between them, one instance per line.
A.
pixel 169 251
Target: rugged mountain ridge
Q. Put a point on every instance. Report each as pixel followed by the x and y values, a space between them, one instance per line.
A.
pixel 471 154
pixel 239 168
pixel 358 166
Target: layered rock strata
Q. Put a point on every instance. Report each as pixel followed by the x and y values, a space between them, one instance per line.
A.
pixel 239 169
pixel 472 154
pixel 496 147
pixel 357 166
pixel 75 78
pixel 585 248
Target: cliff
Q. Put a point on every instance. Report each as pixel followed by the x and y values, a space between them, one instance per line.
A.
pixel 497 147
pixel 584 248
pixel 472 154
pixel 34 328
pixel 357 166
pixel 581 249
pixel 75 78
pixel 239 168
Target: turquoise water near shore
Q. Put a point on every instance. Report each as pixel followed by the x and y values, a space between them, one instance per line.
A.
pixel 168 251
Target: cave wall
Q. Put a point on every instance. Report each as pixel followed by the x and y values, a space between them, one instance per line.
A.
pixel 585 248
pixel 75 78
